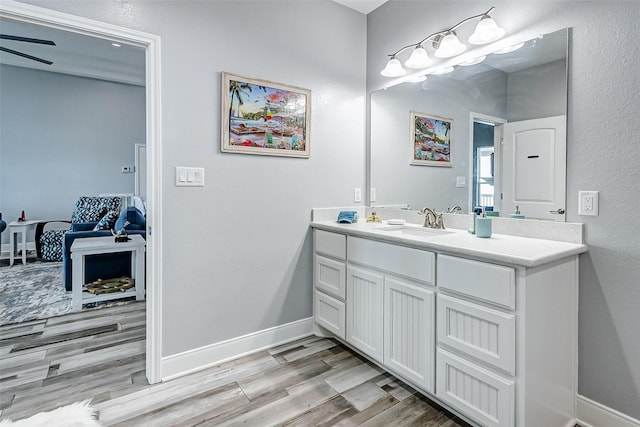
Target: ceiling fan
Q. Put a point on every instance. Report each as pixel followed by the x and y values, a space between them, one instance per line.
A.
pixel 27 40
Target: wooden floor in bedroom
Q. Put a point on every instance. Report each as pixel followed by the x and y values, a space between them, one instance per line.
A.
pixel 100 354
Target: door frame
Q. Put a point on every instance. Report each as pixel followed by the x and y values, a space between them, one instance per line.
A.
pixel 496 122
pixel 13 10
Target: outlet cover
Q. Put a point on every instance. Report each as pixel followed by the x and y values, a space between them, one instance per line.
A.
pixel 357 195
pixel 588 203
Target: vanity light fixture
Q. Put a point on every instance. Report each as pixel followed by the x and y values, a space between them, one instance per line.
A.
pixel 419 58
pixel 509 49
pixel 417 79
pixel 393 68
pixel 473 61
pixel 445 43
pixel 448 46
pixel 441 71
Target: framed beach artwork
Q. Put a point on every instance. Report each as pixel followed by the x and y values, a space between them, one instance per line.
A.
pixel 430 140
pixel 264 117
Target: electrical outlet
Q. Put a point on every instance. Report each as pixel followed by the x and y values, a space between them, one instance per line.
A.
pixel 461 181
pixel 357 195
pixel 588 203
pixel 372 194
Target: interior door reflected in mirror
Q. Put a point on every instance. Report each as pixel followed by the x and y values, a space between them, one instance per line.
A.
pixel 500 143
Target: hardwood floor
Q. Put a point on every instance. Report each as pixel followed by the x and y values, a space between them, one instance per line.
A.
pixel 100 354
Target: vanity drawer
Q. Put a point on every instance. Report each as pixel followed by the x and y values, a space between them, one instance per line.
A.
pixel 483 333
pixel 488 282
pixel 409 262
pixel 476 392
pixel 331 244
pixel 330 276
pixel 330 314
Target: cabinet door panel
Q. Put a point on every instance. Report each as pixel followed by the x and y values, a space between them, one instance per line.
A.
pixel 475 391
pixel 486 334
pixel 364 311
pixel 330 276
pixel 409 331
pixel 330 314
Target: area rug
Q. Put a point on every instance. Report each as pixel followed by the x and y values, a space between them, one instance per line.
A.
pixel 79 414
pixel 35 291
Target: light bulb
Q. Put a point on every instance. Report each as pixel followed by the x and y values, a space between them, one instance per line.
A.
pixel 450 46
pixel 417 79
pixel 509 49
pixel 473 61
pixel 393 68
pixel 441 71
pixel 487 31
pixel 418 58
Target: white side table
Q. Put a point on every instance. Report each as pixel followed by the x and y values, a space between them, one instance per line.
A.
pixel 22 227
pixel 80 248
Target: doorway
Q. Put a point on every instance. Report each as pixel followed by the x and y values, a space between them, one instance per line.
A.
pixel 151 44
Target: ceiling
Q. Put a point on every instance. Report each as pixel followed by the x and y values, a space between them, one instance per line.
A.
pixel 74 53
pixel 362 6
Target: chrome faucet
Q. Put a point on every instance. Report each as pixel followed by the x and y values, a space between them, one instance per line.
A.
pixel 454 209
pixel 432 219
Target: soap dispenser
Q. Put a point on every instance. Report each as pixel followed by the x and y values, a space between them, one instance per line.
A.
pixel 517 215
pixel 483 225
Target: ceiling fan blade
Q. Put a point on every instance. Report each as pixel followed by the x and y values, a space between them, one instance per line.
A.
pixel 24 55
pixel 26 39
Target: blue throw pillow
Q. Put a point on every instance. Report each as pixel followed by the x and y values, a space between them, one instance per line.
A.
pixel 107 221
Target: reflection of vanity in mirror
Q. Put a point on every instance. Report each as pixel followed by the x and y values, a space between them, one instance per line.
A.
pixel 508 135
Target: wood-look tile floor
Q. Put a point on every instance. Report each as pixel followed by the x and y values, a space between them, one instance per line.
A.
pixel 100 354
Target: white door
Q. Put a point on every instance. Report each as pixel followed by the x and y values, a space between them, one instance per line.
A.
pixel 409 331
pixel 534 165
pixel 364 311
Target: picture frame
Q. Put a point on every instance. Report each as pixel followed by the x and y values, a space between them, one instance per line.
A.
pixel 264 117
pixel 431 140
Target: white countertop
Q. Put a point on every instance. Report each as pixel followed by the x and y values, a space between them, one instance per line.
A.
pixel 499 248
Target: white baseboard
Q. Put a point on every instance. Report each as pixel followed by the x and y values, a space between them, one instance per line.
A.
pixel 197 359
pixel 594 414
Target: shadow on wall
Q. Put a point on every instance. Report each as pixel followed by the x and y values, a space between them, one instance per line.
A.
pixel 594 311
pixel 296 285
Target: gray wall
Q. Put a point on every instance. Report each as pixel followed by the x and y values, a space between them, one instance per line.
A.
pixel 537 92
pixel 63 137
pixel 237 253
pixel 603 151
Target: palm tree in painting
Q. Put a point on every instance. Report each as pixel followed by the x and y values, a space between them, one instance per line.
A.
pixel 447 127
pixel 236 90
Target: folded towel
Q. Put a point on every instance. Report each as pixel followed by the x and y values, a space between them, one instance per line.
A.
pixel 347 217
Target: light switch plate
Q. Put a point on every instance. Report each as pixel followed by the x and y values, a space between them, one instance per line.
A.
pixel 189 177
pixel 461 181
pixel 357 195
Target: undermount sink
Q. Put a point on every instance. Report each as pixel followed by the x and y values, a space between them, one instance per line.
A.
pixel 413 230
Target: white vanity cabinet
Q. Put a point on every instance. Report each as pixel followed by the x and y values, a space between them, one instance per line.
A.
pixel 506 341
pixel 489 335
pixel 390 307
pixel 329 280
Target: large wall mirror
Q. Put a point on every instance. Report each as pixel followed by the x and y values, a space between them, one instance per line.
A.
pixel 508 135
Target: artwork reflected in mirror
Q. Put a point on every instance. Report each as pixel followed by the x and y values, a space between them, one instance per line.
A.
pixel 488 102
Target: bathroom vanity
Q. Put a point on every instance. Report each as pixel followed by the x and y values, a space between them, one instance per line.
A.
pixel 485 327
